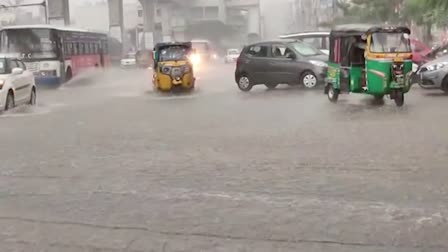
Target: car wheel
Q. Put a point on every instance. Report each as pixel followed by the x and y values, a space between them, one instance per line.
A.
pixel 244 83
pixel 271 85
pixel 333 94
pixel 445 84
pixel 309 79
pixel 33 97
pixel 10 103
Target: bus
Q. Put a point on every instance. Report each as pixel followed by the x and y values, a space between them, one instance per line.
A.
pixel 55 54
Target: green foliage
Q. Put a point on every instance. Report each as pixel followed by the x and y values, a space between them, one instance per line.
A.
pixel 426 12
pixel 422 12
pixel 378 11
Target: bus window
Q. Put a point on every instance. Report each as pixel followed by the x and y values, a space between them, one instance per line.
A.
pixel 76 47
pixel 82 50
pixel 70 49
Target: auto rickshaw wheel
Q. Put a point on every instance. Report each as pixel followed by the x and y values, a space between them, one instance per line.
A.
pixel 333 94
pixel 399 98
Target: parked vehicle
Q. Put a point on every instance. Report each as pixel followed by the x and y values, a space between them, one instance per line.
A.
pixel 129 61
pixel 318 39
pixel 17 85
pixel 172 67
pixel 232 55
pixel 420 52
pixel 437 52
pixel 280 62
pixel 55 54
pixel 144 58
pixel 369 60
pixel 434 74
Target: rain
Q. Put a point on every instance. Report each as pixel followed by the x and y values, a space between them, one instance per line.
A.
pixel 223 125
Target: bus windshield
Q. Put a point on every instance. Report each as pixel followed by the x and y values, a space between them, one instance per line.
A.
pixel 29 43
pixel 387 42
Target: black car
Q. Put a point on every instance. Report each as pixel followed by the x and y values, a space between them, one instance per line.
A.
pixel 284 62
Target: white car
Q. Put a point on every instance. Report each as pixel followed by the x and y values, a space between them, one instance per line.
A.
pixel 129 61
pixel 17 85
pixel 232 55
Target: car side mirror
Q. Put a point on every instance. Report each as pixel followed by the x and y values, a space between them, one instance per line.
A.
pixel 17 71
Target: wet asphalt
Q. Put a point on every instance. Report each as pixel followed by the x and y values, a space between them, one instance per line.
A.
pixel 106 164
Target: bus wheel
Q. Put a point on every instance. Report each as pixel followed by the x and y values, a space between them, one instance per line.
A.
pixel 68 74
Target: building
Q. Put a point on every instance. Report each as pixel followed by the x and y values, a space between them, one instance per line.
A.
pixel 225 22
pixel 313 14
pixel 277 18
pixel 21 15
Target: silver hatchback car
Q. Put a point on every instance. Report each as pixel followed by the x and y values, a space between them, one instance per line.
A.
pixel 434 74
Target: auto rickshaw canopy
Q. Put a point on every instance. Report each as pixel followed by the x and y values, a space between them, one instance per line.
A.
pixel 351 30
pixel 348 42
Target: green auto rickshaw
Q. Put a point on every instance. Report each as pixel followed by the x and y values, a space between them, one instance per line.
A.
pixel 368 59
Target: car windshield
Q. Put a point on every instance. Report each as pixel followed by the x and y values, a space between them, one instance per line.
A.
pixel 173 53
pixel 305 49
pixel 390 42
pixel 233 52
pixel 2 66
pixel 29 43
pixel 130 56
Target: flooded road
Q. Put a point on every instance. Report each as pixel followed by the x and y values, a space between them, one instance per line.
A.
pixel 106 164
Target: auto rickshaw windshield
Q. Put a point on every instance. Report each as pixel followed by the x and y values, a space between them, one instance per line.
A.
pixel 390 42
pixel 173 53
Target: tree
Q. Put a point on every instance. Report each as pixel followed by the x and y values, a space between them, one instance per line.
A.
pixel 378 11
pixel 426 13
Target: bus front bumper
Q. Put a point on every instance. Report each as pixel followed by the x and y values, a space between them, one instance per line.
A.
pixel 49 81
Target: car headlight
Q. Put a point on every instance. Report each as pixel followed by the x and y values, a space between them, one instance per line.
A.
pixel 437 66
pixel 195 59
pixel 318 63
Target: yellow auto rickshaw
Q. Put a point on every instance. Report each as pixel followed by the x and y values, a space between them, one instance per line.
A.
pixel 172 67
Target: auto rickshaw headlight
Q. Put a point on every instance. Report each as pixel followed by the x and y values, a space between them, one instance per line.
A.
pixel 166 70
